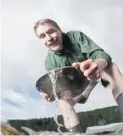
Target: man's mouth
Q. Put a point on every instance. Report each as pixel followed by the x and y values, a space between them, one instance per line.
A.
pixel 53 43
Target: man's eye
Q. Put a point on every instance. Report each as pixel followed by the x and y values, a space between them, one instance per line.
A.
pixel 42 36
pixel 50 31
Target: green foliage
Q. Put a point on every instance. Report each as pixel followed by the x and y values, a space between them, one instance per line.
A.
pixel 90 118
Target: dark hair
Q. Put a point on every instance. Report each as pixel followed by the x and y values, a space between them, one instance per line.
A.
pixel 44 21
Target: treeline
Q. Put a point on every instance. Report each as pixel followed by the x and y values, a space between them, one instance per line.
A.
pixel 90 118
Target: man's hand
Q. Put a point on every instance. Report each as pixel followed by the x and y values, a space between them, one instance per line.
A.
pixel 89 68
pixel 46 97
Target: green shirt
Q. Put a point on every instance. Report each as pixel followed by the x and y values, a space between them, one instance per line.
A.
pixel 77 47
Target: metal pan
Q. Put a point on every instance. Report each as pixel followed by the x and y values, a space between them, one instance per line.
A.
pixel 67 78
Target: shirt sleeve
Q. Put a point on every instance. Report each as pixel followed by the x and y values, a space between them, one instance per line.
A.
pixel 91 49
pixel 48 64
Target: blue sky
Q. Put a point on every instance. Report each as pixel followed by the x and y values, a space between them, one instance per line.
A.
pixel 23 54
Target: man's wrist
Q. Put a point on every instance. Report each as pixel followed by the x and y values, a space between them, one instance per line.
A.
pixel 102 63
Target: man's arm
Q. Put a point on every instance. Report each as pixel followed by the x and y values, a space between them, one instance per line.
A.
pixel 96 59
pixel 93 51
pixel 102 63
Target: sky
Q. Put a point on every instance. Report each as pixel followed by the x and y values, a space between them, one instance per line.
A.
pixel 23 55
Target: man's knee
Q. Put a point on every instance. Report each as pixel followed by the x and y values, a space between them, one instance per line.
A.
pixel 107 75
pixel 113 75
pixel 110 68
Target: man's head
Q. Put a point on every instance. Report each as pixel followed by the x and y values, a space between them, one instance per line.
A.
pixel 49 33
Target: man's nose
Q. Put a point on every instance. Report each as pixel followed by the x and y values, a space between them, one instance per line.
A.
pixel 49 37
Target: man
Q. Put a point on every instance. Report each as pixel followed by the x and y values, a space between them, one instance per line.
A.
pixel 77 49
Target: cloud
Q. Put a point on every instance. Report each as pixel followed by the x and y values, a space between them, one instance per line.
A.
pixel 16 106
pixel 13 96
pixel 23 55
pixel 99 98
pixel 24 5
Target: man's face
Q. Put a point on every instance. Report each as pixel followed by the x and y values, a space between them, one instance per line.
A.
pixel 50 36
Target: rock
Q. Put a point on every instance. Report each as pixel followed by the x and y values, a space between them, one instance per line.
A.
pixel 114 128
pixel 7 129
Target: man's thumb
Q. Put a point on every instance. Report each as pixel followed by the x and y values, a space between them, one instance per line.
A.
pixel 85 64
pixel 76 64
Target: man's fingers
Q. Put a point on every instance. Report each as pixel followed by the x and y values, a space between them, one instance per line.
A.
pixel 41 94
pixel 95 76
pixel 44 95
pixel 89 68
pixel 98 76
pixel 48 99
pixel 76 64
pixel 91 71
pixel 85 64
